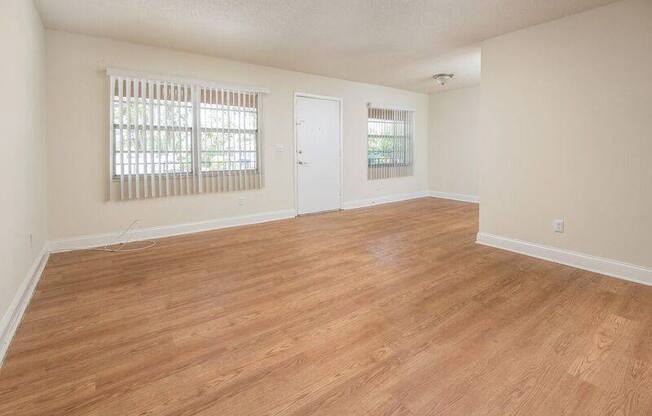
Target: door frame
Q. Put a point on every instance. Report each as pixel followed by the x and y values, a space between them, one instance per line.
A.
pixel 295 159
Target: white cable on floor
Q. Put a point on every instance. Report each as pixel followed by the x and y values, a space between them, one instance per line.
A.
pixel 121 248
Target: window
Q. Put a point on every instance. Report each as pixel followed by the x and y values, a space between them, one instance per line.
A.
pixel 229 131
pixel 389 143
pixel 152 129
pixel 170 137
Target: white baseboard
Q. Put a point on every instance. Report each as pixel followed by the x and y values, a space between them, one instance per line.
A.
pixel 14 314
pixel 613 268
pixel 360 203
pixel 138 234
pixel 456 197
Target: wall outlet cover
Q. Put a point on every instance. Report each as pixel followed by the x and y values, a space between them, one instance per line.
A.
pixel 558 225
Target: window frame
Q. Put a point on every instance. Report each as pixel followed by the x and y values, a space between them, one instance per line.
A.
pixel 194 129
pixel 217 172
pixel 407 138
pixel 159 127
pixel 404 148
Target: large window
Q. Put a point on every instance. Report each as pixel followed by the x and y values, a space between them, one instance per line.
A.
pixel 171 138
pixel 389 143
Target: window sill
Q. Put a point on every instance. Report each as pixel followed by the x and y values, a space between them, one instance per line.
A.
pixel 171 176
pixel 389 165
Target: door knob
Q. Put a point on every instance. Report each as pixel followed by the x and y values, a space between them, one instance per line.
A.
pixel 301 162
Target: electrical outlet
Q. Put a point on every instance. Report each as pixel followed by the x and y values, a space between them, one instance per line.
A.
pixel 241 201
pixel 558 225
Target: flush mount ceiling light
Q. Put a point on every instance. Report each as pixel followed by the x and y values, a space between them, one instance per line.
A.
pixel 442 79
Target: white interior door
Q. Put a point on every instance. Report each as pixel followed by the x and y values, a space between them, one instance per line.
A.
pixel 318 154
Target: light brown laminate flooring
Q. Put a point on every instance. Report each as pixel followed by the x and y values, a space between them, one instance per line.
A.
pixel 388 310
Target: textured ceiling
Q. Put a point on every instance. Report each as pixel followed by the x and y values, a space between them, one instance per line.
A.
pixel 398 43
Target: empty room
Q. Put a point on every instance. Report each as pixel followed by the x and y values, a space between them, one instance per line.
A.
pixel 305 207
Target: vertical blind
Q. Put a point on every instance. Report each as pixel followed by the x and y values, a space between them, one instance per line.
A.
pixel 389 143
pixel 182 137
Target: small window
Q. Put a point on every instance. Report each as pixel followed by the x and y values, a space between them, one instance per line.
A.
pixel 389 143
pixel 171 138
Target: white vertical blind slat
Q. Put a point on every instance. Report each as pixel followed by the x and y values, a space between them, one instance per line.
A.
pixel 213 159
pixel 179 164
pixel 179 141
pixel 222 178
pixel 142 142
pixel 219 168
pixel 229 147
pixel 409 144
pixel 150 137
pixel 401 170
pixel 122 138
pixel 392 141
pixel 169 134
pixel 175 137
pixel 129 139
pixel 157 87
pixel 249 179
pixel 398 114
pixel 137 130
pixel 259 148
pixel 166 141
pixel 112 134
pixel 144 135
pixel 386 134
pixel 241 115
pixel 196 100
pixel 395 140
pixel 399 144
pixel 236 144
pixel 187 139
pixel 404 116
pixel 238 139
pixel 245 156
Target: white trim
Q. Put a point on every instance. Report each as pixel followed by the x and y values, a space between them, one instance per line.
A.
pixel 296 170
pixel 98 240
pixel 359 203
pixel 456 197
pixel 613 268
pixel 126 73
pixel 14 314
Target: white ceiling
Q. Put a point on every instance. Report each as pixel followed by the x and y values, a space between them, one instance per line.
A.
pixel 398 43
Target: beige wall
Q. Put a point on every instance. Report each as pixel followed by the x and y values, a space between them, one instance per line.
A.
pixel 22 208
pixel 567 132
pixel 77 136
pixel 454 141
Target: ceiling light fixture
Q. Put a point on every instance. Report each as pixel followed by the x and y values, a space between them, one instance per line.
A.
pixel 442 79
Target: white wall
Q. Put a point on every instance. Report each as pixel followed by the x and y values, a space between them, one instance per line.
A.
pixel 567 132
pixel 78 129
pixel 22 207
pixel 453 127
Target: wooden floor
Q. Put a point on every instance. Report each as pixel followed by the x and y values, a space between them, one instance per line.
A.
pixel 390 310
